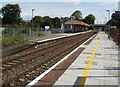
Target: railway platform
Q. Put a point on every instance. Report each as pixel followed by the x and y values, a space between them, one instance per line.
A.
pixel 96 64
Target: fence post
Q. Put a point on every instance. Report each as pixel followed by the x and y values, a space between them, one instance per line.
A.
pixel 13 32
pixel 30 32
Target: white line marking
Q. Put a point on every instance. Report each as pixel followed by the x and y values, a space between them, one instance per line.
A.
pixel 47 71
pixel 61 37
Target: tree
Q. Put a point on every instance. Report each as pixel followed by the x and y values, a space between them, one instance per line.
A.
pixel 47 21
pixel 38 21
pixel 11 14
pixel 0 21
pixel 115 21
pixel 89 19
pixel 56 22
pixel 77 15
pixel 119 24
pixel 116 15
pixel 112 22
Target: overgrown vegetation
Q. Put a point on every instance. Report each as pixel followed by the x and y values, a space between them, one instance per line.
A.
pixel 8 41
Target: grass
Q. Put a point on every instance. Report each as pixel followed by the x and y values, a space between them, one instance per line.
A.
pixel 8 41
pixel 40 34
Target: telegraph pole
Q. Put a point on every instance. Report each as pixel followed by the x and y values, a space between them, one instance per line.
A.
pixel 108 24
pixel 31 32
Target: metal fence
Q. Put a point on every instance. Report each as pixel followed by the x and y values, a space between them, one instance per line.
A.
pixel 22 32
pixel 115 35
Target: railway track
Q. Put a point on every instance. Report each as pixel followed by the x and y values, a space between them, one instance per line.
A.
pixel 19 70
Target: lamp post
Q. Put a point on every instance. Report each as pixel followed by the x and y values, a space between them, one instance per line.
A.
pixel 108 14
pixel 108 24
pixel 32 23
pixel 105 20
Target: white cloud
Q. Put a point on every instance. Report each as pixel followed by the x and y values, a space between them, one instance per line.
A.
pixel 74 2
pixel 60 0
pixel 25 14
pixel 66 9
pixel 63 11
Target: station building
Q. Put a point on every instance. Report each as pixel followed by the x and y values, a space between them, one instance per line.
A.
pixel 76 26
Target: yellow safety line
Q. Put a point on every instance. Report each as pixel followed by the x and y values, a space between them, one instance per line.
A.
pixel 87 69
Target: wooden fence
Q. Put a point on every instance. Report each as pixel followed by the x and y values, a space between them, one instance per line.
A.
pixel 115 35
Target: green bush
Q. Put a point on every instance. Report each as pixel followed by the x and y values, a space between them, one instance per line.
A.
pixel 40 34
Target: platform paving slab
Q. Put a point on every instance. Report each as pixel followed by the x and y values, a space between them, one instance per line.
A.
pixel 104 69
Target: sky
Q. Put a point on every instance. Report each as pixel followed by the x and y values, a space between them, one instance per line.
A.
pixel 65 8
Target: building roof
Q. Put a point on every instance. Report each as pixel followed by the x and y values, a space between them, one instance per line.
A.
pixel 75 22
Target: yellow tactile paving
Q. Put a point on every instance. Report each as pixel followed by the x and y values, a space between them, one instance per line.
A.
pixel 87 69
